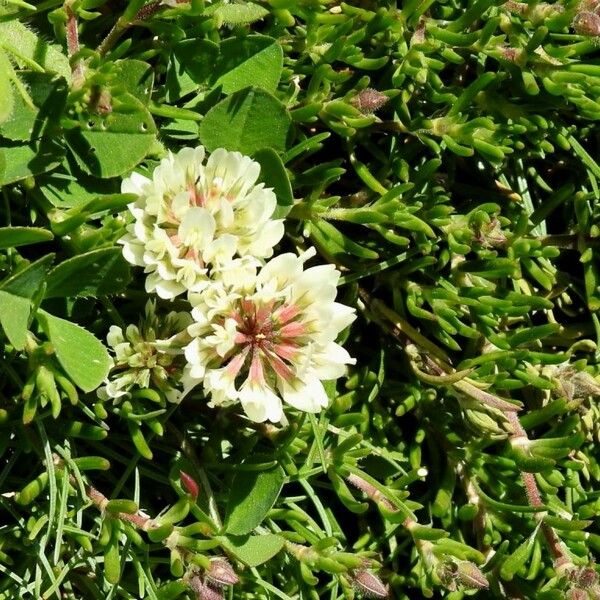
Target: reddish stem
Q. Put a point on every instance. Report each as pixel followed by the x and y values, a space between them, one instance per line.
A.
pixel 73 45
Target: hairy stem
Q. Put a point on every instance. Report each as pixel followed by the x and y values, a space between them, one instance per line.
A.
pixel 73 46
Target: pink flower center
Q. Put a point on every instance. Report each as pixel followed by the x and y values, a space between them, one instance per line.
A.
pixel 184 251
pixel 269 335
pixel 196 198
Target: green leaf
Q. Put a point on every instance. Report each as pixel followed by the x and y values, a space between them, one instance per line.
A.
pixel 253 60
pixel 252 495
pixel 192 64
pixel 334 242
pixel 6 90
pixel 83 357
pixel 236 14
pixel 63 222
pixel 254 550
pixel 172 590
pixel 518 558
pixel 14 317
pixel 27 47
pixel 247 121
pixel 128 128
pixel 69 186
pixel 2 164
pixel 22 236
pixel 33 489
pixel 122 505
pixel 112 559
pixel 27 282
pixel 96 273
pixel 49 94
pixel 26 160
pixel 136 78
pixel 274 175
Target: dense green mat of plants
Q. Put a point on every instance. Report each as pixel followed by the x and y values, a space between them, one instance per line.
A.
pixel 442 155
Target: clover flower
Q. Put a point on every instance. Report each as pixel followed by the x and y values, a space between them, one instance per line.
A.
pixel 263 335
pixel 149 355
pixel 192 217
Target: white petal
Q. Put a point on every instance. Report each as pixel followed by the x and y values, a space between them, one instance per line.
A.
pixel 115 336
pixel 165 289
pixel 330 362
pixel 316 285
pixel 134 184
pixel 192 350
pixel 270 236
pixel 133 252
pixel 343 316
pixel 197 228
pixel 260 403
pixel 307 395
pixel 280 270
pixel 221 250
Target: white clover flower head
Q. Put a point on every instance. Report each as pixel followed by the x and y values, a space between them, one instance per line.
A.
pixel 192 218
pixel 149 355
pixel 268 337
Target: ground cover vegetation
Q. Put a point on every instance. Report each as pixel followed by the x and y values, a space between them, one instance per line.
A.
pixel 299 299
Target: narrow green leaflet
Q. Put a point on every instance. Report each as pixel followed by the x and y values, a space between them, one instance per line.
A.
pixel 252 495
pixel 172 590
pixel 14 315
pixel 96 273
pixel 247 121
pixel 254 550
pixel 22 236
pixel 83 357
pixel 64 221
pixel 518 559
pixel 253 60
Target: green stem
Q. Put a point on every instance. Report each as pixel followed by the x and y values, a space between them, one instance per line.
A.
pixel 173 112
pixel 122 25
pixel 189 451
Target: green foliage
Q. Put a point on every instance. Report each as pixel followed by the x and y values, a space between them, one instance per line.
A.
pixel 444 156
pixel 247 121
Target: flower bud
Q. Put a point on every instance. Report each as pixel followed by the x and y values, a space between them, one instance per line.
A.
pixel 576 385
pixel 203 591
pixel 370 585
pixel 189 484
pixel 577 594
pixel 586 23
pixel 221 573
pixel 470 576
pixel 369 100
